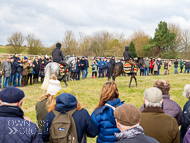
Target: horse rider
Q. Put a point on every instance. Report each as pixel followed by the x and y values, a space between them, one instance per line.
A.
pixel 127 55
pixel 58 56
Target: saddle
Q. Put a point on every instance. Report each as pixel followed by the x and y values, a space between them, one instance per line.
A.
pixel 127 68
pixel 63 70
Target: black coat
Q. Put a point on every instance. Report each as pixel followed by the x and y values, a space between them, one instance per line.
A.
pixel 84 63
pixel 13 68
pixel 37 67
pixel 127 55
pixel 187 65
pixel 16 58
pixel 176 64
pixel 112 61
pixel 138 139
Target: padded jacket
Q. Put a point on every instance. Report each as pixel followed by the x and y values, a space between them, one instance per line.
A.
pixel 127 55
pixel 105 122
pixel 15 129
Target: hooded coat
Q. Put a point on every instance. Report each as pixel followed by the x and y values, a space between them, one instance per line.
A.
pixel 105 122
pixel 127 55
pixel 83 121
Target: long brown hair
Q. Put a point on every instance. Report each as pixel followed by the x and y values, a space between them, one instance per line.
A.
pixel 109 92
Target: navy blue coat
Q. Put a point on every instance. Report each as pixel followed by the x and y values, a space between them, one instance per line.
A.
pixel 186 120
pixel 84 63
pixel 105 122
pixel 18 67
pixel 13 68
pixel 102 64
pixel 83 121
pixel 87 64
pixel 14 129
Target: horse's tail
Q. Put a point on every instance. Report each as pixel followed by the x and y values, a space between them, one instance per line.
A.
pixel 47 78
pixel 110 72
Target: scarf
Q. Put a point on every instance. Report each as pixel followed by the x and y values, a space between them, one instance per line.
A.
pixel 129 133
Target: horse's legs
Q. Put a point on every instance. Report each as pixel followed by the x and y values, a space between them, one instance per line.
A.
pixel 135 80
pixel 65 80
pixel 130 80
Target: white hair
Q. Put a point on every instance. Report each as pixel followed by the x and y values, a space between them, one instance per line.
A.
pixel 186 92
pixel 124 127
pixel 150 104
pixel 158 58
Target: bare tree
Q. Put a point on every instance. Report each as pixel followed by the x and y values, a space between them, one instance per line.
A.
pixel 16 41
pixel 69 44
pixel 35 45
pixel 186 43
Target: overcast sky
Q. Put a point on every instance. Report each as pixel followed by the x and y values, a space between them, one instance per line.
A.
pixel 49 19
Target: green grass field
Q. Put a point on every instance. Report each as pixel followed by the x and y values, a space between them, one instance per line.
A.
pixel 88 91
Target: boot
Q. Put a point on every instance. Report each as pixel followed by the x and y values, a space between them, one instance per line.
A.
pixel 35 81
pixel 95 76
pixel 132 68
pixel 92 76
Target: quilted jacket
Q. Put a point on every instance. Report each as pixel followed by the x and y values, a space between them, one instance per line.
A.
pixel 14 129
pixel 105 122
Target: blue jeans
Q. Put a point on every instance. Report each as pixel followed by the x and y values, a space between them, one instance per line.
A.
pixel 158 72
pixel 18 76
pixel 146 70
pixel 6 82
pixel 0 81
pixel 12 78
pixel 187 70
pixel 86 72
pixel 176 72
pixel 78 74
pixel 83 73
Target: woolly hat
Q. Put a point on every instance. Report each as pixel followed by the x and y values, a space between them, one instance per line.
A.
pixel 25 58
pixel 153 95
pixel 102 58
pixel 163 85
pixel 127 114
pixel 11 95
pixel 64 90
pixel 54 85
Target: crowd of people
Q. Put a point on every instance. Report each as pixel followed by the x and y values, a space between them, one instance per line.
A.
pixel 61 118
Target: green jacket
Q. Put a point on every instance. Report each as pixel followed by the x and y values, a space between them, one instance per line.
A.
pixel 160 126
pixel 181 64
pixel 147 63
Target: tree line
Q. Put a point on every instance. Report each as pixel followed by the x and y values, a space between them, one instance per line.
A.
pixel 169 41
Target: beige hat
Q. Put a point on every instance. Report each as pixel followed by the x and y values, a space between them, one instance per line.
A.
pixel 153 94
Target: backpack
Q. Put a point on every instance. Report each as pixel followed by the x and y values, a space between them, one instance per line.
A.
pixel 63 128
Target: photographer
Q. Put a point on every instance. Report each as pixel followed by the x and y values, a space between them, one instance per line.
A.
pixel 94 68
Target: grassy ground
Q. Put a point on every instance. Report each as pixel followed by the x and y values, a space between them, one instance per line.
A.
pixel 4 51
pixel 88 91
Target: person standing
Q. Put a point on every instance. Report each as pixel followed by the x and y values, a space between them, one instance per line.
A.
pixel 7 72
pixel 127 121
pixel 13 69
pixel 79 68
pixel 181 65
pixel 166 67
pixel 169 64
pixel 112 64
pixel 176 66
pixel 159 65
pixel 151 66
pixel 16 58
pixel 147 65
pixel 155 64
pixel 18 73
pixel 36 69
pixel 142 68
pixel 82 67
pixel 155 122
pixel 24 72
pixel 94 68
pixel 1 72
pixel 87 66
pixel 101 65
pixel 187 66
pixel 30 70
pixel 42 68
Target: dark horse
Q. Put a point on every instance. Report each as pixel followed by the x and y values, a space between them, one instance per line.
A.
pixel 117 69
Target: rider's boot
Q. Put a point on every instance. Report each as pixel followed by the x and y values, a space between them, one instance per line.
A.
pixel 132 68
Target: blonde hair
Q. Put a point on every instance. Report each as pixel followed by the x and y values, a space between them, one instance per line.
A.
pixel 53 77
pixel 186 92
pixel 109 92
pixel 51 103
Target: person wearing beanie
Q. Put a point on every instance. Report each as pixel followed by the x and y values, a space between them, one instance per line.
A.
pixel 10 111
pixel 176 66
pixel 127 118
pixel 170 107
pixel 57 55
pixel 103 115
pixel 155 122
pixel 84 124
pixel 102 66
pixel 127 55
